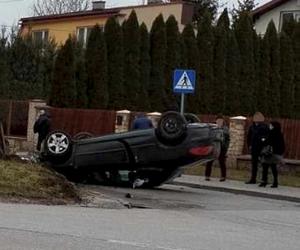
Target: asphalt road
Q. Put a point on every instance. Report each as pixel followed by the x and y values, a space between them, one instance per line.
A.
pixel 168 218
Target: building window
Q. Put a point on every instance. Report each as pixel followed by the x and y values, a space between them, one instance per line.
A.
pixel 83 34
pixel 40 36
pixel 288 16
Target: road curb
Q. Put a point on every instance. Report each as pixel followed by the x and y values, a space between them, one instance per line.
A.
pixel 238 191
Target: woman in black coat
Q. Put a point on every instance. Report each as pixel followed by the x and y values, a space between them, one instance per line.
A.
pixel 272 153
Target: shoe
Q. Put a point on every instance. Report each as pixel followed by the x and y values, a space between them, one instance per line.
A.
pixel 274 185
pixel 207 178
pixel 222 179
pixel 262 184
pixel 250 182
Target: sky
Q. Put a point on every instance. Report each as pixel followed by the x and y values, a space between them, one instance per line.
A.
pixel 12 10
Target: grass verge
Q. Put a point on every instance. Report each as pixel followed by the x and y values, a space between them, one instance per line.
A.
pixel 285 179
pixel 31 183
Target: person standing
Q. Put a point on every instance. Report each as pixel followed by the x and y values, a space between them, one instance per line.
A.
pixel 223 154
pixel 142 122
pixel 272 153
pixel 42 128
pixel 258 131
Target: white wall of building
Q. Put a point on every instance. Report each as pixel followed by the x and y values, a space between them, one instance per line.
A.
pixel 262 22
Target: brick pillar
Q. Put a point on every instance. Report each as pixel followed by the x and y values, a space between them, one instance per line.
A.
pixel 154 117
pixel 122 121
pixel 237 135
pixel 34 106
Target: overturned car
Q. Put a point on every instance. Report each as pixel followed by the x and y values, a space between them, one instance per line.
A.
pixel 153 155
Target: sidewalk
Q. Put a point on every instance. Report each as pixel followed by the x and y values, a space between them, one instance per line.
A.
pixel 238 187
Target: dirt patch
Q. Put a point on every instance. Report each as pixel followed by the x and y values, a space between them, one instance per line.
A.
pixel 32 183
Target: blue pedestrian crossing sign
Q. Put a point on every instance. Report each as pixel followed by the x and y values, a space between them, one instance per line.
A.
pixel 184 81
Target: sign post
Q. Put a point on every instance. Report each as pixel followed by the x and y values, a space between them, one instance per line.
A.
pixel 184 83
pixel 182 104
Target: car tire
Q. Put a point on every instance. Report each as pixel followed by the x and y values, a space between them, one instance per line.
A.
pixel 191 118
pixel 58 146
pixel 171 128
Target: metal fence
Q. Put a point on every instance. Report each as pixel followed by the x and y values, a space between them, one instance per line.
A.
pixel 14 117
pixel 73 121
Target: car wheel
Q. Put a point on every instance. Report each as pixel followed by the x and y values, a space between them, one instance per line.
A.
pixel 58 147
pixel 82 136
pixel 171 128
pixel 191 118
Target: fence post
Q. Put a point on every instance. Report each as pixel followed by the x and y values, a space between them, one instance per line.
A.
pixel 122 121
pixel 32 116
pixel 154 117
pixel 8 124
pixel 237 135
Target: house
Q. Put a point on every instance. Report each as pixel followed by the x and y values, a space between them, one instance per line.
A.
pixel 276 10
pixel 80 23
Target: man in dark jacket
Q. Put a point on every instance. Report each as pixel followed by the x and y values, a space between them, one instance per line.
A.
pixel 142 122
pixel 42 127
pixel 258 131
pixel 223 154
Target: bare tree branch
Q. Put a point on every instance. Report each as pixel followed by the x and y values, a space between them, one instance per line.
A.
pixel 48 7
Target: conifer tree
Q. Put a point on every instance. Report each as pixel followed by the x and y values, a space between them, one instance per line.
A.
pixel 63 91
pixel 145 64
pixel 243 7
pixel 192 56
pixel 257 68
pixel 183 52
pixel 244 36
pixel 172 59
pixel 288 26
pixel 232 67
pixel 96 66
pixel 131 61
pixel 264 79
pixel 296 52
pixel 24 62
pixel 273 90
pixel 205 40
pixel 220 54
pixel 4 70
pixel 287 76
pixel 158 47
pixel 80 77
pixel 114 42
pixel 202 6
pixel 46 63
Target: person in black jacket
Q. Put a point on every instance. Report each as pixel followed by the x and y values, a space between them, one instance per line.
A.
pixel 257 132
pixel 272 153
pixel 42 127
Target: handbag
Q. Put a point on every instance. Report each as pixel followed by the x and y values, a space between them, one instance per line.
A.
pixel 267 151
